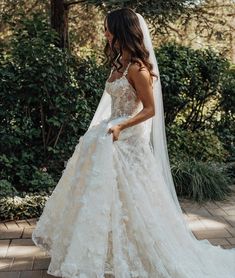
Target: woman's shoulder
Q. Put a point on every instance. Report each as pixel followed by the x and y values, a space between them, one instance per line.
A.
pixel 138 67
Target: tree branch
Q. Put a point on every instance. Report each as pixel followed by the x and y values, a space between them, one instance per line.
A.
pixel 67 4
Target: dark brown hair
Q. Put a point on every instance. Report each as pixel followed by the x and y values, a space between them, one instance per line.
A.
pixel 124 25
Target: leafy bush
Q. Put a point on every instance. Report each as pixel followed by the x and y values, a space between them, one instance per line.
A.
pixel 225 126
pixel 193 83
pixel 199 95
pixel 6 189
pixel 48 99
pixel 22 207
pixel 200 144
pixel 200 181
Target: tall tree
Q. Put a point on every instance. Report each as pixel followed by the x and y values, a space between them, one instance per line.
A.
pixel 210 24
pixel 59 21
pixel 162 11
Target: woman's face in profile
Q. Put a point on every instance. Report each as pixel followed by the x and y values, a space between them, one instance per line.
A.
pixel 107 33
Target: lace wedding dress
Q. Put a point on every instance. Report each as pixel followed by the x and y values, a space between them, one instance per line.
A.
pixel 109 213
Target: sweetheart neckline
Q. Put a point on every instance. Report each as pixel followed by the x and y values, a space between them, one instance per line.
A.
pixel 117 79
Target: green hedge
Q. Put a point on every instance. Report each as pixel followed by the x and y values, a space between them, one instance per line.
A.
pixel 48 98
pixel 203 145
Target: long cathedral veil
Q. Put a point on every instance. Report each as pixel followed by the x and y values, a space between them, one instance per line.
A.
pixel 155 125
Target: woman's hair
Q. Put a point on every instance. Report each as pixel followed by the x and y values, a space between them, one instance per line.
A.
pixel 124 25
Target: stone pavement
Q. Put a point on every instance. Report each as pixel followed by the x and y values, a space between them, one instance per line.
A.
pixel 20 258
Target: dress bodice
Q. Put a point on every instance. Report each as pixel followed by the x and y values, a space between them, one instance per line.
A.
pixel 124 101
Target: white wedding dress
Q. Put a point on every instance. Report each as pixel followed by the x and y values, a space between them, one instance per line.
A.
pixel 109 213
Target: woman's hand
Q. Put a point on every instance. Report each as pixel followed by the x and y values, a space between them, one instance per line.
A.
pixel 116 131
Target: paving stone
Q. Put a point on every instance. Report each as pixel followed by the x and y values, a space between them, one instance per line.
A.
pixel 11 225
pixel 198 212
pixel 22 263
pixel 3 227
pixel 208 234
pixel 4 244
pixel 226 205
pixel 15 274
pixel 228 246
pixel 31 274
pixel 230 219
pixel 189 217
pixel 186 204
pixel 5 264
pixel 46 275
pixel 217 211
pixel 32 222
pixel 215 222
pixel 229 205
pixel 23 248
pixel 10 233
pixel 22 223
pixel 27 233
pixel 211 205
pixel 231 230
pixel 41 263
pixel 219 241
pixel 196 225
pixel 230 211
pixel 231 240
pixel 22 241
pixel 193 206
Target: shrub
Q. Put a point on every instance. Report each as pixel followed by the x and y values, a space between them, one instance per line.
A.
pixel 6 189
pixel 48 99
pixel 225 126
pixel 22 207
pixel 200 181
pixel 201 145
pixel 193 82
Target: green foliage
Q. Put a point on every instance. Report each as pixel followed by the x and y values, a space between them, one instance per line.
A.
pixel 22 207
pixel 193 83
pixel 202 145
pixel 161 11
pixel 48 98
pixel 6 189
pixel 41 181
pixel 200 181
pixel 225 127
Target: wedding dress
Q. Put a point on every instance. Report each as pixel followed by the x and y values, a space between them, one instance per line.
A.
pixel 115 210
pixel 109 214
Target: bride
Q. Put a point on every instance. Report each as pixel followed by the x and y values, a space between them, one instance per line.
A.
pixel 115 209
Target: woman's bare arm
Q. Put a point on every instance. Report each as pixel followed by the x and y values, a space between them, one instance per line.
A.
pixel 141 80
pixel 142 83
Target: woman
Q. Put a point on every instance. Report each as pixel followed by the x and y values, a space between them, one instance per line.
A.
pixel 115 210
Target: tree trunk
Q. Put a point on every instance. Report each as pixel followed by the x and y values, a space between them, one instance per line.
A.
pixel 59 21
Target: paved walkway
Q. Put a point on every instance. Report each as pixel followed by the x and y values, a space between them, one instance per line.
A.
pixel 19 258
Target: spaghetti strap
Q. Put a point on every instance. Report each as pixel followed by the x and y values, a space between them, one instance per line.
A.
pixel 111 71
pixel 126 70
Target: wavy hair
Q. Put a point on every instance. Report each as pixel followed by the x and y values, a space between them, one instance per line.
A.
pixel 124 25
